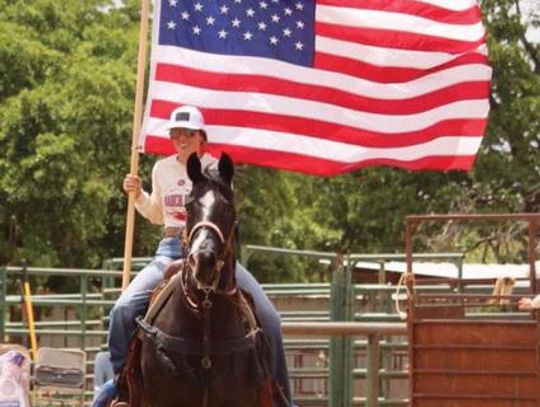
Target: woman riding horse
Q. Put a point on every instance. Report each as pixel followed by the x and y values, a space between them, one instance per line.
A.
pixel 203 345
pixel 165 205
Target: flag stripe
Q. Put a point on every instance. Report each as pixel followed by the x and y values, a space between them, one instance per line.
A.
pixel 319 129
pixel 395 39
pixel 300 108
pixel 325 94
pixel 315 166
pixel 381 20
pixel 318 166
pixel 246 65
pixel 339 151
pixel 454 5
pixel 383 57
pixel 468 15
pixel 380 74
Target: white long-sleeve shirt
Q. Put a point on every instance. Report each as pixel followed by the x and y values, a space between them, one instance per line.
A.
pixel 170 188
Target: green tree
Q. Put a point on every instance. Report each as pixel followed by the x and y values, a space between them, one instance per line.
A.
pixel 65 115
pixel 505 177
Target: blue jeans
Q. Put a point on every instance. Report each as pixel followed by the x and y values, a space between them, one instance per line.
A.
pixel 103 370
pixel 135 299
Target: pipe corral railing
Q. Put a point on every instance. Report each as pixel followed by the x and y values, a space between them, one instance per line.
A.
pixel 331 349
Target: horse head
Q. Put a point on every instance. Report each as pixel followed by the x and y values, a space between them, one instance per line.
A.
pixel 210 225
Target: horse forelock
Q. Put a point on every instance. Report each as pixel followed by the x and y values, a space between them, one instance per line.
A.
pixel 212 175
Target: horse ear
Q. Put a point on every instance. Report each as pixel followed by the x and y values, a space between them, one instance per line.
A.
pixel 226 168
pixel 194 168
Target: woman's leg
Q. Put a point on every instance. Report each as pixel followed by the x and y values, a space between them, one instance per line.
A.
pixel 135 299
pixel 271 325
pixel 132 303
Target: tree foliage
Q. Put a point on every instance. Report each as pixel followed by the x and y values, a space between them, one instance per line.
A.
pixel 67 76
pixel 66 104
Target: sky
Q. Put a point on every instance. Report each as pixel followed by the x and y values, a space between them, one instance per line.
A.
pixel 528 8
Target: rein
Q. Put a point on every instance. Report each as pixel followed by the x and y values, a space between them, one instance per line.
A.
pixel 206 304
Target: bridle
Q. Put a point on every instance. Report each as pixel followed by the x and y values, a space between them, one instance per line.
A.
pixel 227 247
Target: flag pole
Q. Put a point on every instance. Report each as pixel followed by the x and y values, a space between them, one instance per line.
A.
pixel 137 116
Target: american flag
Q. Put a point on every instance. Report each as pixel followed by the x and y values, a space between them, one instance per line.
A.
pixel 324 87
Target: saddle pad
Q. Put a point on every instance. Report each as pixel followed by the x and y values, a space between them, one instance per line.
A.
pixel 159 299
pixel 59 377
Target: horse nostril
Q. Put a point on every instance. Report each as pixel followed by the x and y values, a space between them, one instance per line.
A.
pixel 192 261
pixel 207 260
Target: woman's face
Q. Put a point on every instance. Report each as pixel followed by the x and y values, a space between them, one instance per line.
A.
pixel 186 142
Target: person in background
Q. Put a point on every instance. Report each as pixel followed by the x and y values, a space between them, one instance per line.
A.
pixel 528 304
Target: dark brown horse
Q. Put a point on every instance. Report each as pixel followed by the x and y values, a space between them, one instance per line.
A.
pixel 203 347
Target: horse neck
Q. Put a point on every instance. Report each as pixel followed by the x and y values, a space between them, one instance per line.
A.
pixel 181 319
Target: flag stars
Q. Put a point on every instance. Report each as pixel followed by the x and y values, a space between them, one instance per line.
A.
pixel 278 26
pixel 222 34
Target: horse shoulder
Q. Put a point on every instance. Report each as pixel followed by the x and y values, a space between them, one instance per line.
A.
pixel 173 268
